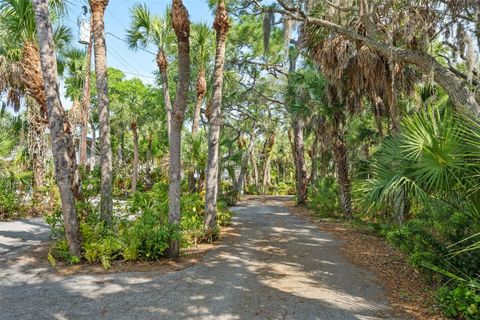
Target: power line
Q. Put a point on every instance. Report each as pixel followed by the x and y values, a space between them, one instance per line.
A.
pixel 125 41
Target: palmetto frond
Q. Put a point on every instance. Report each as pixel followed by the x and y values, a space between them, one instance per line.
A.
pixel 147 28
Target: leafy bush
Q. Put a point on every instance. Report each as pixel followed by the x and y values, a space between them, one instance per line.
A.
pixel 460 302
pixel 323 197
pixel 143 234
pixel 229 197
pixel 9 203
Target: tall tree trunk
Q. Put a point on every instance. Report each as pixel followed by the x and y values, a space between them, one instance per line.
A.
pixel 377 113
pixel 106 201
pixel 392 100
pixel 255 168
pixel 134 128
pixel 148 170
pixel 181 26
pixel 201 91
pixel 312 179
pixel 221 25
pixel 341 163
pixel 162 64
pixel 86 103
pixel 61 141
pixel 299 151
pixel 37 147
pixel 267 151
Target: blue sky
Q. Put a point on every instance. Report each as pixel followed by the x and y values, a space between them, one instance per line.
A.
pixel 117 19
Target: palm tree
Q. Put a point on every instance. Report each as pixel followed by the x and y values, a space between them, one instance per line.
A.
pixel 62 142
pixel 146 28
pixel 20 73
pixel 106 203
pixel 181 26
pixel 202 37
pixel 221 25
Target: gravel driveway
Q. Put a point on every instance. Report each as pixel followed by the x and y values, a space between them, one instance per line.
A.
pixel 275 266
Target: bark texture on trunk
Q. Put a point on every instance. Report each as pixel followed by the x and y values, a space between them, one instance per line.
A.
pixel 341 163
pixel 134 128
pixel 61 141
pixel 106 202
pixel 299 151
pixel 86 103
pixel 162 64
pixel 221 25
pixel 181 26
pixel 148 170
pixel 243 170
pixel 392 100
pixel 201 92
pixel 267 152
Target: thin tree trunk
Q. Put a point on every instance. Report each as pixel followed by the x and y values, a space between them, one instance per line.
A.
pixel 201 91
pixel 243 170
pixel 314 157
pixel 181 25
pixel 341 164
pixel 61 141
pixel 148 170
pixel 162 64
pixel 255 169
pixel 221 25
pixel 106 201
pixel 299 151
pixel 133 126
pixel 93 147
pixel 86 103
pixel 392 100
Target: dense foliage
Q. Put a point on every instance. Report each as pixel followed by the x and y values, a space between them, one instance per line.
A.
pixel 366 111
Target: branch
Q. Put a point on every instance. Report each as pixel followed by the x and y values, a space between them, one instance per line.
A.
pixel 426 63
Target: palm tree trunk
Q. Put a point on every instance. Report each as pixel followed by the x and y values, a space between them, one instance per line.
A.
pixel 106 201
pixel 162 64
pixel 181 25
pixel 201 91
pixel 61 141
pixel 221 25
pixel 341 164
pixel 86 104
pixel 133 126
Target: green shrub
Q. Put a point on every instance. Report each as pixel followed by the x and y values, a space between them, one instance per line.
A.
pixel 324 199
pixel 460 302
pixel 229 195
pixel 144 234
pixel 9 203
